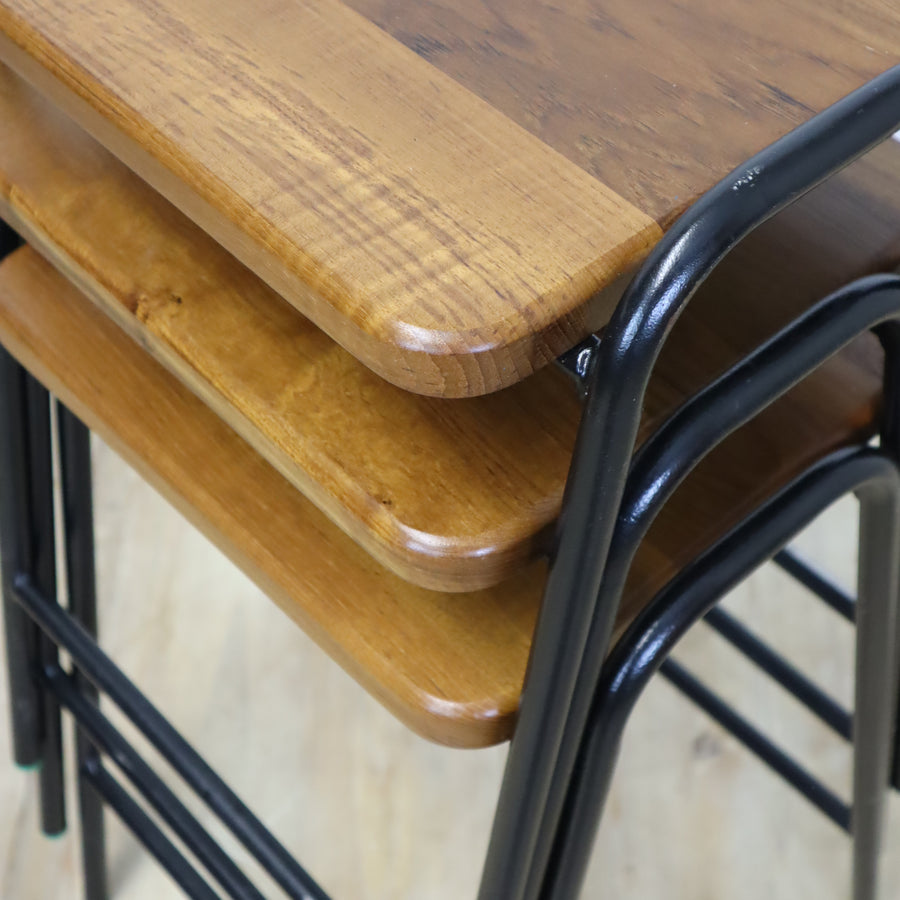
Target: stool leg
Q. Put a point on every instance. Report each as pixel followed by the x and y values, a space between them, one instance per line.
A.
pixel 28 548
pixel 43 571
pixel 688 597
pixel 75 471
pixel 21 633
pixel 15 548
pixel 876 685
pixel 889 335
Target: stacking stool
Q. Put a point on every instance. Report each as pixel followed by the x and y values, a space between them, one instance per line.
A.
pixel 430 599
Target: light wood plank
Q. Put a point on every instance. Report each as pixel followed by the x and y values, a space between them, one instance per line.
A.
pixel 435 239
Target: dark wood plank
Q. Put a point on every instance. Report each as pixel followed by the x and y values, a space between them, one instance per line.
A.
pixel 657 99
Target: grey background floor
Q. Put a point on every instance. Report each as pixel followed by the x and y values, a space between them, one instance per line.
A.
pixel 375 812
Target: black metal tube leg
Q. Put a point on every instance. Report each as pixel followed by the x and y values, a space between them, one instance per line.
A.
pixel 889 335
pixel 53 815
pixel 78 527
pixel 691 594
pixel 15 549
pixel 93 830
pixel 876 683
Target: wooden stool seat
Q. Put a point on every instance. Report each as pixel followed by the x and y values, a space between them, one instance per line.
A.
pixel 451 220
pixel 449 665
pixel 306 267
pixel 451 495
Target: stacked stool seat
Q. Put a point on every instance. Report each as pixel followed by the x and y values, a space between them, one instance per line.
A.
pixel 367 431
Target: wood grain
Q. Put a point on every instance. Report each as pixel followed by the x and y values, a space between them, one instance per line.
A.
pixel 450 666
pixel 414 649
pixel 450 495
pixel 658 99
pixel 431 236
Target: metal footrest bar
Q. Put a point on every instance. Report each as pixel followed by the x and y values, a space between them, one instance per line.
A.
pixel 775 665
pixel 831 594
pixel 106 738
pixel 146 831
pixel 94 665
pixel 755 741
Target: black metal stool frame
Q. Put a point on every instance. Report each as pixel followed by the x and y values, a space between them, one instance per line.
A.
pixel 660 466
pixel 36 625
pixel 692 594
pixel 574 625
pixel 698 426
pixel 586 580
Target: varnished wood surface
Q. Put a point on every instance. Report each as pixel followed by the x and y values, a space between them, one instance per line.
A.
pixel 450 666
pixel 427 233
pixel 658 99
pixel 450 495
pixel 430 235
